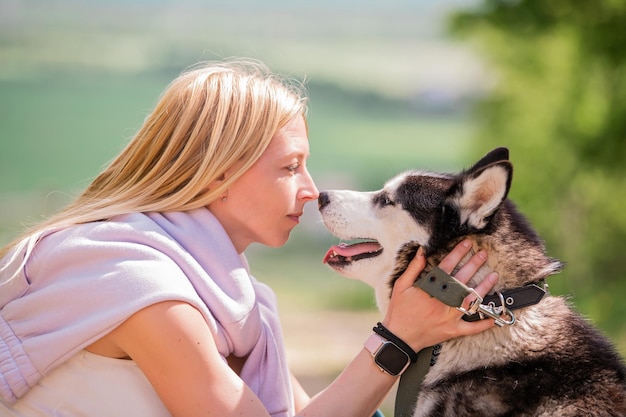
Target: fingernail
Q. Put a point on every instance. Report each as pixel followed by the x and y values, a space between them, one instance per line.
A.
pixel 420 252
pixel 482 254
pixel 466 243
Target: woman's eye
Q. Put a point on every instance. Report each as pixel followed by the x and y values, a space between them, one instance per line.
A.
pixel 293 168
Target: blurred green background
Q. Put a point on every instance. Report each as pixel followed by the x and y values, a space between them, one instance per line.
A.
pixel 393 85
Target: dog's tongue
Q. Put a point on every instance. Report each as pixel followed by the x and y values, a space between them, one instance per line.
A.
pixel 347 251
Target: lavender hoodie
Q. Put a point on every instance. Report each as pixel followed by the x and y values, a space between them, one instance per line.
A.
pixel 82 282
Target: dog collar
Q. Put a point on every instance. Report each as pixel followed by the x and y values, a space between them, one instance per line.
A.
pixel 499 306
pixel 513 298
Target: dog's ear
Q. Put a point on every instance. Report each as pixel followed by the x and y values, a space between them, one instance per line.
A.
pixel 497 155
pixel 478 192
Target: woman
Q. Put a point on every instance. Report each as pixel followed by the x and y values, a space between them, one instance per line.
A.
pixel 136 299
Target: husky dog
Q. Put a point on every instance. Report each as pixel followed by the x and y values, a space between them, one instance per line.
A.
pixel 550 362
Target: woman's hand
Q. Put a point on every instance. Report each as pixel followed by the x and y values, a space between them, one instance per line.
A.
pixel 420 320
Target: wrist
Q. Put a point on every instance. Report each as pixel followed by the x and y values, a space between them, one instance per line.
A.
pixel 384 332
pixel 406 335
pixel 390 353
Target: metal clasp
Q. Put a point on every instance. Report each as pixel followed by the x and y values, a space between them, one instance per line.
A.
pixel 498 313
pixel 474 305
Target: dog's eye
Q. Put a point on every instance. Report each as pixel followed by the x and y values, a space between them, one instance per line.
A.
pixel 383 200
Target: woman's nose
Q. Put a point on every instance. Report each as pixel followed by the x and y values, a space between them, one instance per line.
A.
pixel 311 191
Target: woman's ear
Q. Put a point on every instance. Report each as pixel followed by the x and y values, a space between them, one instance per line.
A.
pixel 228 174
pixel 215 183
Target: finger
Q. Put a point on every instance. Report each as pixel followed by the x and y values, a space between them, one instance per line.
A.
pixel 471 267
pixel 483 288
pixel 454 257
pixel 467 328
pixel 408 277
pixel 486 285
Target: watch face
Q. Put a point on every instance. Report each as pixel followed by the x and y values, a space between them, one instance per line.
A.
pixel 391 358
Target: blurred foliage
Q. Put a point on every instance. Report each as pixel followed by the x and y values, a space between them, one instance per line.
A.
pixel 559 104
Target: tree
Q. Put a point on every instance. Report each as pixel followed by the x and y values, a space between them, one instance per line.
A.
pixel 559 104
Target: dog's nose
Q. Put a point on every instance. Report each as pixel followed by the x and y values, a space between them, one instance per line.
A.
pixel 323 200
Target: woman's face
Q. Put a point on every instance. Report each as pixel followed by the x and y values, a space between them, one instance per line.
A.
pixel 266 202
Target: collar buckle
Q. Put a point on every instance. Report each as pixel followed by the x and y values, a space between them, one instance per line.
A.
pixel 481 311
pixel 498 313
pixel 474 306
pixel 500 305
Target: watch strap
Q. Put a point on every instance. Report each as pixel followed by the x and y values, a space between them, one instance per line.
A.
pixel 373 343
pixel 387 335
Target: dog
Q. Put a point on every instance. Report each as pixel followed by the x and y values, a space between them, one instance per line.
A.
pixel 550 362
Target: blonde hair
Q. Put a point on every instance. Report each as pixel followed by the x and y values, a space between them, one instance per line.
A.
pixel 213 118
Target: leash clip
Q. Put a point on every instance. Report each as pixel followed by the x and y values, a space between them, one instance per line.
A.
pixel 498 313
pixel 474 306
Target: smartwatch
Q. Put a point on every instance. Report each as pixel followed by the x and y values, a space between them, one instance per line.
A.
pixel 387 355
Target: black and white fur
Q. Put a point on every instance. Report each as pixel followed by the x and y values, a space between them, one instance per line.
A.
pixel 551 362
